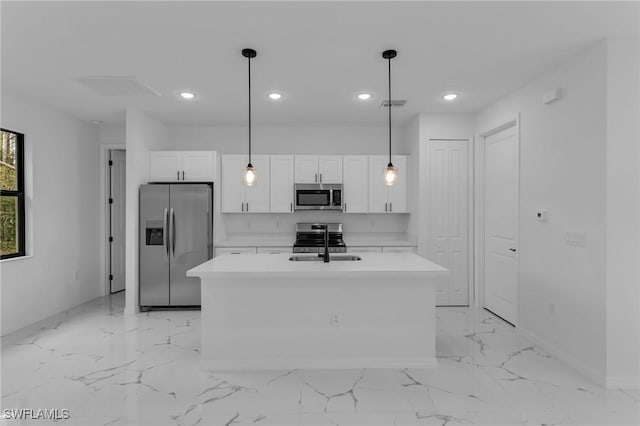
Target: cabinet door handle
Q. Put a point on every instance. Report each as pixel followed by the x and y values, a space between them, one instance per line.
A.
pixel 385 207
pixel 316 178
pixel 183 175
pixel 345 207
pixel 291 206
pixel 242 206
pixel 247 206
pixel 390 207
pixel 320 177
pixel 178 175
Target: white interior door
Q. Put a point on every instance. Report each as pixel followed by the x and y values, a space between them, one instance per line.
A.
pixel 118 210
pixel 501 223
pixel 449 218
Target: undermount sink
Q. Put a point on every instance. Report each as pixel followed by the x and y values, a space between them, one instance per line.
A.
pixel 319 258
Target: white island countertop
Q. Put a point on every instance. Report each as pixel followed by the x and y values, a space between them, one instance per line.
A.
pixel 372 264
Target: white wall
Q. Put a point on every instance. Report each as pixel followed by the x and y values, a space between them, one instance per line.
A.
pixel 285 140
pixel 62 204
pixel 623 213
pixel 291 140
pixel 141 132
pixel 563 169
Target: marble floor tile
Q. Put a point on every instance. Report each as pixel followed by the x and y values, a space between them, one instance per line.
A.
pixel 110 369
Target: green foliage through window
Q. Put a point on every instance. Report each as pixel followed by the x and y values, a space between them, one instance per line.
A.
pixel 11 194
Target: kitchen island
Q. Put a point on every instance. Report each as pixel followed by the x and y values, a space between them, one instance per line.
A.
pixel 264 311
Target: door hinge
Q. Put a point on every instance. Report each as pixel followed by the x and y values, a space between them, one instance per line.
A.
pixel 110 277
pixel 111 162
pixel 110 200
pixel 110 239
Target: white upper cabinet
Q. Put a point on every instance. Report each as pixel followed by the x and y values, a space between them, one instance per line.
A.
pixel 197 166
pixel 257 196
pixel 383 198
pixel 238 198
pixel 318 169
pixel 306 169
pixel 399 191
pixel 282 176
pixel 330 168
pixel 164 165
pixel 355 183
pixel 190 166
pixel 233 189
pixel 378 194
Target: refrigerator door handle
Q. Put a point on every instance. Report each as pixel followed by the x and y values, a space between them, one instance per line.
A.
pixel 172 232
pixel 165 243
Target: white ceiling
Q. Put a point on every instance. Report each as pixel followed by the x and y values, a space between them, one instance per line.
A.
pixel 318 54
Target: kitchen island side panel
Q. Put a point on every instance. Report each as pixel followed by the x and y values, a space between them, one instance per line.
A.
pixel 253 322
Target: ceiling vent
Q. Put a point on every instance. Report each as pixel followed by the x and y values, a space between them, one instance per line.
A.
pixel 116 86
pixel 394 103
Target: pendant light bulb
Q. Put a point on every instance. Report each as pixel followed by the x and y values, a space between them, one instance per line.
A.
pixel 249 177
pixel 390 174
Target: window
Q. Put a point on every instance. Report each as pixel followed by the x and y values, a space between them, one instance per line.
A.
pixel 12 226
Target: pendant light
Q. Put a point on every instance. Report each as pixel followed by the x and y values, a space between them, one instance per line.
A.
pixel 390 172
pixel 249 176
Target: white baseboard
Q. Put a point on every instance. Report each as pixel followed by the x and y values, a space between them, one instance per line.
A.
pixel 623 382
pixel 321 364
pixel 594 375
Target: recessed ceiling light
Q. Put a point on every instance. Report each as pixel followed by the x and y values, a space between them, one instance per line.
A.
pixel 364 96
pixel 450 96
pixel 275 96
pixel 187 95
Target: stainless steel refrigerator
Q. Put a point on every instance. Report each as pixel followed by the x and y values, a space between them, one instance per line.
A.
pixel 176 234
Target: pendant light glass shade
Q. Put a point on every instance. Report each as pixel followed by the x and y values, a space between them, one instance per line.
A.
pixel 390 173
pixel 249 176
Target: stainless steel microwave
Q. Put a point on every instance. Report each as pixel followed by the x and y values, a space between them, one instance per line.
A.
pixel 318 196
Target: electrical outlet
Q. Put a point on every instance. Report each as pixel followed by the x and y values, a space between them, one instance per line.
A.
pixel 334 319
pixel 575 239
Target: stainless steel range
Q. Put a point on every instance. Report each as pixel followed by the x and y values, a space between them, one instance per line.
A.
pixel 310 238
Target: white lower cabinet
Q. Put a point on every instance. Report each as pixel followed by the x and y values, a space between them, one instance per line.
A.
pixel 364 249
pixel 398 249
pixel 275 250
pixel 235 250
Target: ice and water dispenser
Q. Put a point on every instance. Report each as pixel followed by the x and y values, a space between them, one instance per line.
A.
pixel 154 232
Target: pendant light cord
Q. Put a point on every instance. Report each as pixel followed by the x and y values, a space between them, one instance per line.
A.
pixel 249 61
pixel 389 100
